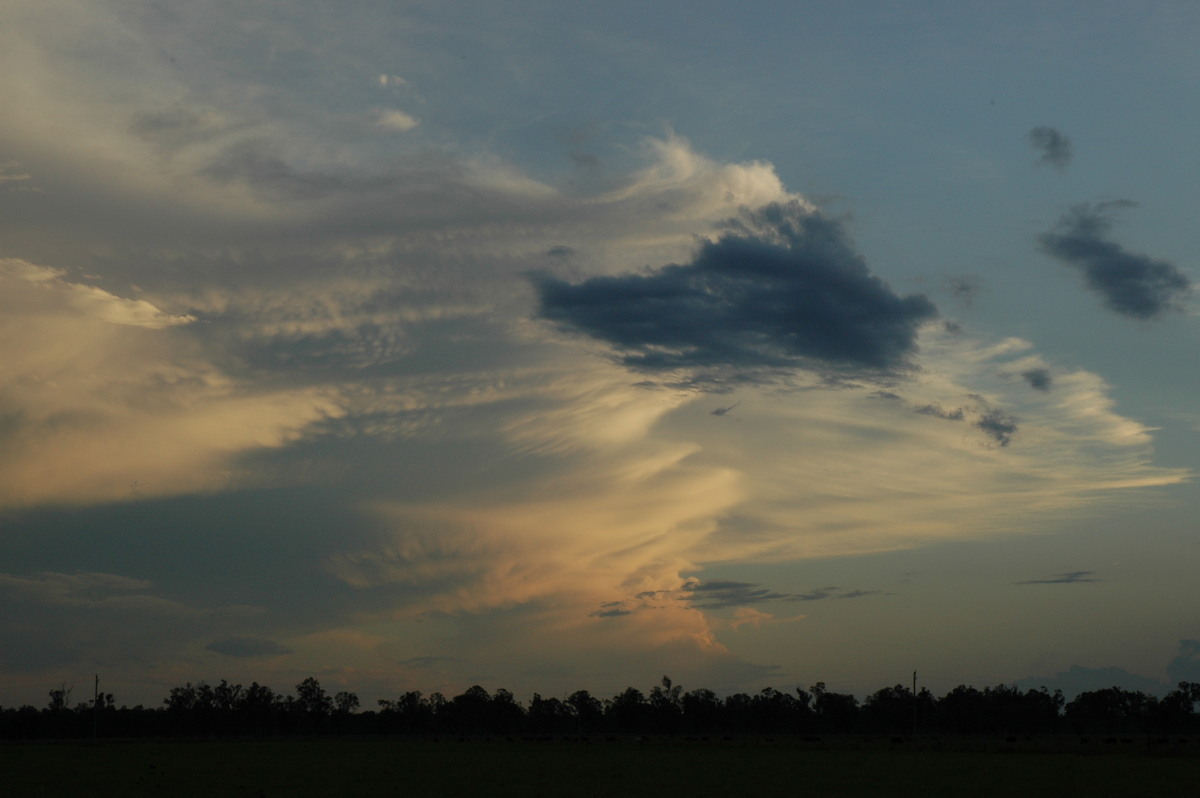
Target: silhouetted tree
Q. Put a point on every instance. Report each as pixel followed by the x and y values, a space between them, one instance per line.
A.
pixel 504 715
pixel 628 710
pixel 1111 710
pixel 550 716
pixel 836 712
pixel 666 708
pixel 701 710
pixel 587 710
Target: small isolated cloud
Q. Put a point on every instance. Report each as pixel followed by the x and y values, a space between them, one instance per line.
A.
pixel 1069 578
pixel 964 287
pixel 726 410
pixel 1130 283
pixel 397 121
pixel 247 647
pixel 1053 146
pixel 781 290
pixel 1038 378
pixel 997 425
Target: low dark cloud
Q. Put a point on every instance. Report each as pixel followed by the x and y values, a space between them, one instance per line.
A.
pixel 1130 283
pixel 720 593
pixel 248 647
pixel 717 593
pixel 964 287
pixel 937 411
pixel 1038 378
pixel 1055 148
pixel 997 425
pixel 782 289
pixel 614 612
pixel 1069 578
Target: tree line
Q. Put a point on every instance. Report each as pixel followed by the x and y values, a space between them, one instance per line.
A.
pixel 231 710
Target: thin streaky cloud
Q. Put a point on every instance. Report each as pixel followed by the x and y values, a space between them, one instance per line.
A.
pixel 1068 578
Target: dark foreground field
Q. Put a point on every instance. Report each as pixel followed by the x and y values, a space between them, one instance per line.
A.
pixel 600 767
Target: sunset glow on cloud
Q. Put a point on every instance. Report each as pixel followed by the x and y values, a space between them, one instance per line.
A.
pixel 395 348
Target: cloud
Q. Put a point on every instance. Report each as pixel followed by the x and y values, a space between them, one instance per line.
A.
pixel 782 289
pixel 725 410
pixel 1130 283
pixel 398 121
pixel 89 300
pixel 1069 578
pixel 247 647
pixel 1185 667
pixel 997 425
pixel 1039 379
pixel 1055 148
pixel 964 287
pixel 754 618
pixel 1080 679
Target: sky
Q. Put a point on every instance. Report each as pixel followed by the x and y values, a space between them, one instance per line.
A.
pixel 559 345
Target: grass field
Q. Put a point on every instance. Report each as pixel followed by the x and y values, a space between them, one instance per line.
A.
pixel 657 767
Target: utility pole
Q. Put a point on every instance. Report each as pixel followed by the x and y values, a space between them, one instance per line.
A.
pixel 96 708
pixel 914 694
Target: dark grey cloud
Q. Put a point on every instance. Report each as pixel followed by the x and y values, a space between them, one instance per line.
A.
pixel 614 612
pixel 1130 283
pixel 997 425
pixel 717 593
pixel 722 411
pixel 720 593
pixel 248 647
pixel 1069 578
pixel 937 411
pixel 781 289
pixel 1038 378
pixel 964 287
pixel 1055 148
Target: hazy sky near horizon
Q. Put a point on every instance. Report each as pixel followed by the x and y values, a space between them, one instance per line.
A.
pixel 549 345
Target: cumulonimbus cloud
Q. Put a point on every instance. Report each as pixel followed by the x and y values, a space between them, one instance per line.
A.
pixel 781 289
pixel 1131 284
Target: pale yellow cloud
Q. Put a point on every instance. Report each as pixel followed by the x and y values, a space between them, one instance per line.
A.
pixel 396 120
pixel 111 406
pixel 90 300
